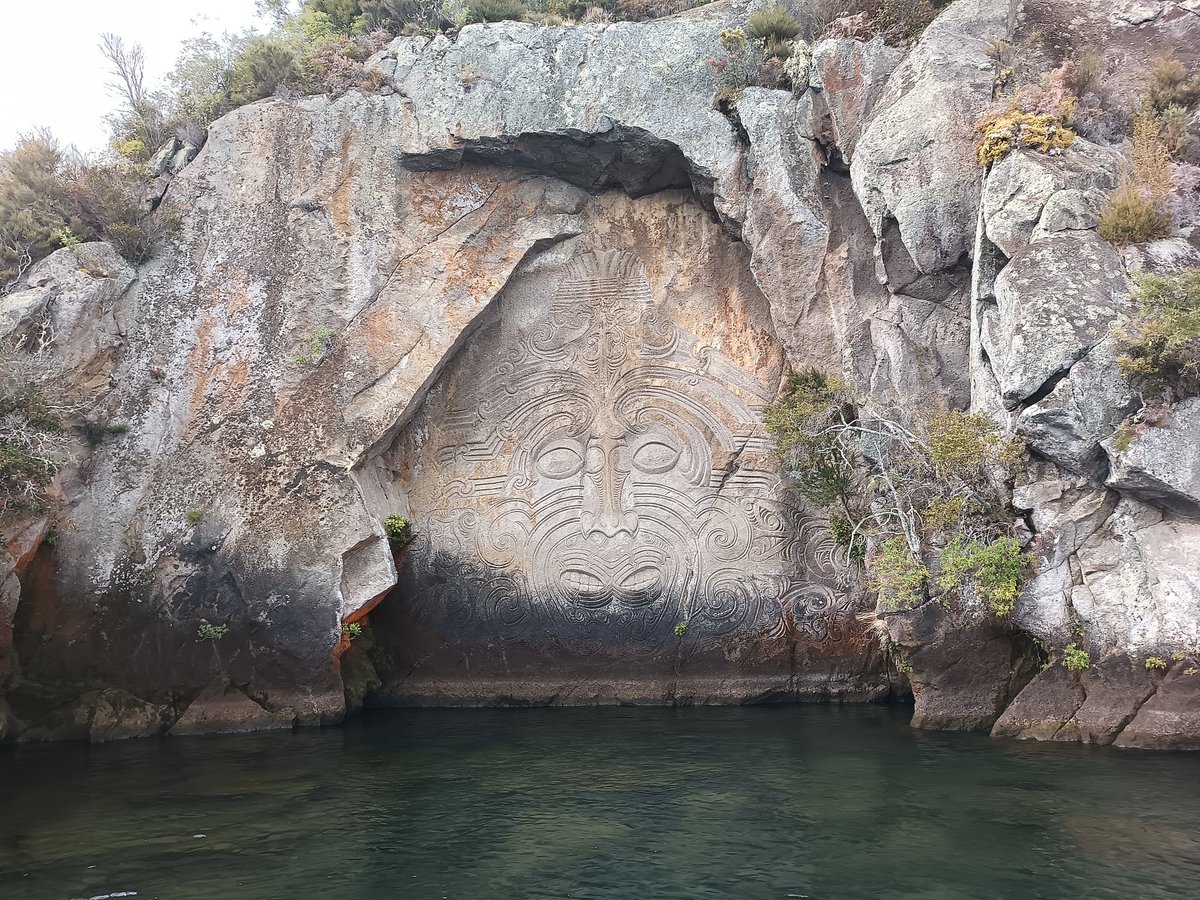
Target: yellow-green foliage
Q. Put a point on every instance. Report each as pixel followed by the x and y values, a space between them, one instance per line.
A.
pixel 996 570
pixel 799 421
pixel 1131 217
pixel 1162 344
pixel 1137 211
pixel 497 10
pixel 1171 84
pixel 1155 662
pixel 1151 157
pixel 51 199
pixel 399 532
pixel 1075 658
pixel 1002 132
pixel 945 515
pixel 897 576
pixel 960 443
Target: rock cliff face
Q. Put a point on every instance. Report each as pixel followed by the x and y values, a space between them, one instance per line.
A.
pixel 533 295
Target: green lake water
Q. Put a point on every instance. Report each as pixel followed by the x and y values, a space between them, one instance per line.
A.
pixel 610 804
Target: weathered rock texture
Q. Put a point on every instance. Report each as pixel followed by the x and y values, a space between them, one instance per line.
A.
pixel 533 294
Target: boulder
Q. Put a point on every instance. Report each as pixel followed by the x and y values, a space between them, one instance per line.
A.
pixel 1056 300
pixel 1116 687
pixel 915 162
pixel 117 715
pixel 1138 585
pixel 1091 707
pixel 849 77
pixel 221 707
pixel 1084 408
pixel 1042 711
pixel 1170 719
pixel 77 298
pixel 1065 514
pixel 964 673
pixel 1161 464
pixel 1019 188
pixel 1069 209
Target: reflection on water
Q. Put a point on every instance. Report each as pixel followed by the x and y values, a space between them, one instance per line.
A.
pixel 604 804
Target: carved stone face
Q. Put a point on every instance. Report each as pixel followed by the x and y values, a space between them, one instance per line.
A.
pixel 610 472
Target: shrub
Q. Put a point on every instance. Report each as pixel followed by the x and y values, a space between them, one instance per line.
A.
pixel 399 532
pixel 319 343
pixel 775 27
pixel 195 516
pixel 34 415
pixel 352 630
pixel 897 575
pixel 36 207
pixel 266 64
pixel 1155 662
pixel 1131 217
pixel 51 199
pixel 1151 158
pixel 1161 346
pixel 497 10
pixel 1001 132
pixel 894 21
pixel 906 496
pixel 1084 74
pixel 1172 85
pixel 1076 659
pixel 209 632
pixel 997 570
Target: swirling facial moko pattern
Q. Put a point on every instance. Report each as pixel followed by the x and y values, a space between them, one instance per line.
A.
pixel 610 479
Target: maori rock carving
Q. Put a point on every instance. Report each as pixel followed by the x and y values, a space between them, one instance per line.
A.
pixel 608 479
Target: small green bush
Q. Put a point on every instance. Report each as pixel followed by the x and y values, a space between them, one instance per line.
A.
pixel 1002 132
pixel 210 632
pixel 195 516
pixel 1161 345
pixel 1155 662
pixel 319 343
pixel 352 630
pixel 399 532
pixel 681 628
pixel 1131 218
pixel 96 433
pixel 997 570
pixel 1076 659
pixel 35 412
pixel 899 579
pixel 775 28
pixel 497 11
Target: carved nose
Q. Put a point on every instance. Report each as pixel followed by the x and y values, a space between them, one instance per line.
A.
pixel 605 513
pixel 610 523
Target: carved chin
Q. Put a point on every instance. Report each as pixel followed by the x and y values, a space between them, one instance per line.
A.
pixel 619 573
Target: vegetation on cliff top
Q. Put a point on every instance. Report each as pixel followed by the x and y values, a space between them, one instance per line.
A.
pixel 921 500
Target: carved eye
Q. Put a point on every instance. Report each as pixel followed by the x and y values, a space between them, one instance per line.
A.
pixel 561 461
pixel 582 582
pixel 654 457
pixel 641 580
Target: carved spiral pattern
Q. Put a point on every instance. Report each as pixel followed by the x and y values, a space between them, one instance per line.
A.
pixel 608 478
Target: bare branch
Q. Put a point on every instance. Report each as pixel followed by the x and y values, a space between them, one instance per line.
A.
pixel 128 68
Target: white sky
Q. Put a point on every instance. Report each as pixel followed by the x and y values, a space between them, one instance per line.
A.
pixel 52 74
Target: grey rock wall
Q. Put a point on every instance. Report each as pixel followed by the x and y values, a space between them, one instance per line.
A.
pixel 534 294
